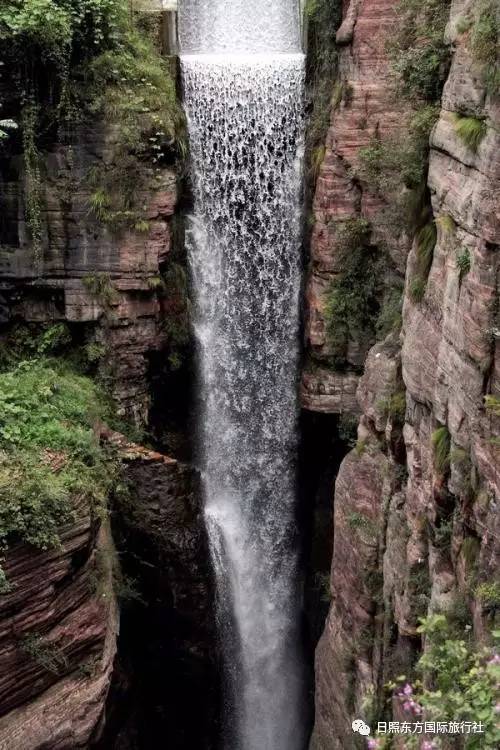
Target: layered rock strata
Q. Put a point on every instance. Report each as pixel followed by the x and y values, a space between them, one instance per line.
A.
pixel 103 283
pixel 412 535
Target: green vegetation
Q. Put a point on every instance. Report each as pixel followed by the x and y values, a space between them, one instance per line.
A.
pixel 394 407
pixel 176 323
pixel 417 289
pixel 390 316
pixel 100 286
pixel 323 20
pixel 470 130
pixel 360 446
pixel 75 59
pixel 419 587
pixel 463 263
pixel 348 429
pixel 357 520
pixel 484 42
pixel 25 341
pixel 397 168
pixel 49 454
pixel 402 159
pixel 459 680
pixel 420 58
pixel 397 165
pixel 488 593
pixel 446 223
pixel 441 441
pixel 94 351
pixel 426 241
pixel 47 655
pixel 352 301
pixel 492 404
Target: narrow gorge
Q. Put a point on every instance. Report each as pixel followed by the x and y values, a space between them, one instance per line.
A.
pixel 249 374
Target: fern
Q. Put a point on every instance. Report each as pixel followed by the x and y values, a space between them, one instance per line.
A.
pixel 463 263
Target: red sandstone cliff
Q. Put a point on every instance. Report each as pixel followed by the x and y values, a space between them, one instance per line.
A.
pixel 403 532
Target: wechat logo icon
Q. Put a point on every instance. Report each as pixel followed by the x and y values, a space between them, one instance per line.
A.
pixel 359 726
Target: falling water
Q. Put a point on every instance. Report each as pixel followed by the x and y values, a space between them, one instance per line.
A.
pixel 243 78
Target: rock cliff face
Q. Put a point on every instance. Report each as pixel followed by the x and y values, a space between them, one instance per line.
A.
pixel 167 667
pixel 59 639
pixel 103 283
pixel 411 535
pixel 363 106
pixel 58 628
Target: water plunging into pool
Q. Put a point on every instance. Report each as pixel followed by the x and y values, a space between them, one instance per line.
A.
pixel 243 81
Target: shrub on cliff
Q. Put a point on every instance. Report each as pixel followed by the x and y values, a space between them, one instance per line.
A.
pixel 352 302
pixel 484 44
pixel 51 462
pixel 420 58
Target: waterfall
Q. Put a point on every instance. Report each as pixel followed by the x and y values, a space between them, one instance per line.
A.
pixel 243 80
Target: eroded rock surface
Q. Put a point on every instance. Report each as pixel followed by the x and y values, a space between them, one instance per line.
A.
pixel 58 628
pixel 102 282
pixel 423 535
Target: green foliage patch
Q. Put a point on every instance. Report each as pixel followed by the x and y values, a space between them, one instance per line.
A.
pixel 390 317
pixel 395 407
pixel 459 680
pixel 426 242
pixel 484 44
pixel 353 300
pixel 441 443
pixel 470 130
pixel 47 655
pixel 463 262
pixel 50 458
pixel 397 168
pixel 420 58
pixel 71 59
pixel 488 593
pixel 492 404
pixel 323 20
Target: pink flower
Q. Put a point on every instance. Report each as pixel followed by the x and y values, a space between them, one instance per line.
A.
pixel 373 744
pixel 407 706
pixel 495 659
pixel 407 690
pixel 417 709
pixel 426 745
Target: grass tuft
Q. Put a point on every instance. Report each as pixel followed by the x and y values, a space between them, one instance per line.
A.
pixel 470 130
pixel 441 442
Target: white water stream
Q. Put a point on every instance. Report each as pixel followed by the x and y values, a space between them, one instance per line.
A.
pixel 243 80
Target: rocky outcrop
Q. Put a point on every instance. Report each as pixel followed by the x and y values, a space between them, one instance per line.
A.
pixel 330 392
pixel 422 531
pixel 168 662
pixel 58 627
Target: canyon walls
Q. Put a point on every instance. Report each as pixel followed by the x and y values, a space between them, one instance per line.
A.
pixel 413 533
pixel 90 250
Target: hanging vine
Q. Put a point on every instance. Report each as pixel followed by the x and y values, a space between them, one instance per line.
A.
pixel 33 180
